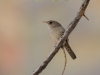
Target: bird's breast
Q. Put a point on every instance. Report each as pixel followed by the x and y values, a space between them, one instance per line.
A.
pixel 56 33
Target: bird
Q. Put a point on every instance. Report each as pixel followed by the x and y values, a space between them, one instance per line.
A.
pixel 56 30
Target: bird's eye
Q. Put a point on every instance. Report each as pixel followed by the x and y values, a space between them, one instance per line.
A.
pixel 50 22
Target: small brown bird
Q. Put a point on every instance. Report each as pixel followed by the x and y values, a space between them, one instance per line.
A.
pixel 56 31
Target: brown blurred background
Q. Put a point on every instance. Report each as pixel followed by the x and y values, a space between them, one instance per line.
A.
pixel 25 42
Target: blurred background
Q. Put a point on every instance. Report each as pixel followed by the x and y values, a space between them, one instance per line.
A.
pixel 25 42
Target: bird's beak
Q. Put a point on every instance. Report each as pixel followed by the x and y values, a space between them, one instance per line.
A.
pixel 45 22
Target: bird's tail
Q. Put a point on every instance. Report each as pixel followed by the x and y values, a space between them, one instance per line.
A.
pixel 70 51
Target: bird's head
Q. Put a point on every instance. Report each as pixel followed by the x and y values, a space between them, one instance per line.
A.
pixel 52 23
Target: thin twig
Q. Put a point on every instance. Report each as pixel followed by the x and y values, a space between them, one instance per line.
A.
pixel 85 16
pixel 65 61
pixel 67 32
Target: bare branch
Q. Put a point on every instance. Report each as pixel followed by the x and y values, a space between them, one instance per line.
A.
pixel 69 29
